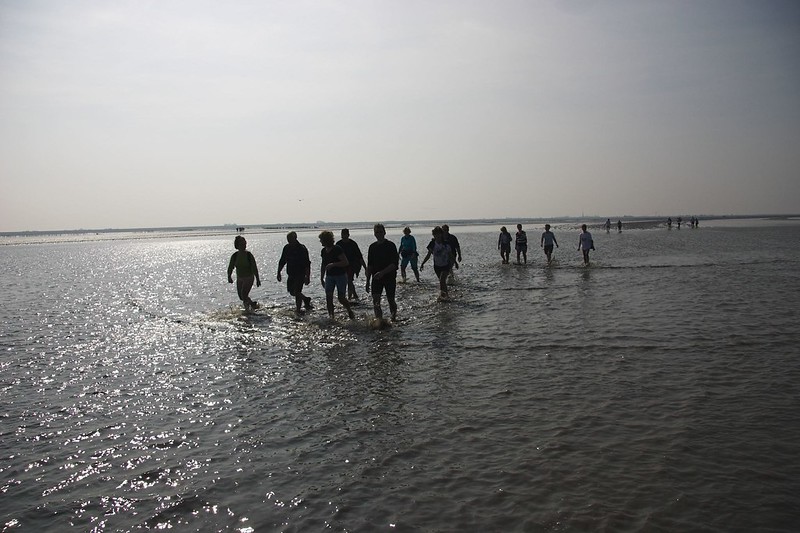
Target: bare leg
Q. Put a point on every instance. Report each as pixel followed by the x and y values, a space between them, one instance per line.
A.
pixel 329 303
pixel 345 304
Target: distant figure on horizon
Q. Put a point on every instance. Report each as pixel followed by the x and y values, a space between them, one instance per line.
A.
pixel 408 253
pixel 669 222
pixel 333 273
pixel 619 226
pixel 504 245
pixel 521 244
pixel 547 242
pixel 298 270
pixel 246 272
pixel 382 271
pixel 679 221
pixel 356 260
pixel 444 259
pixel 585 243
pixel 608 225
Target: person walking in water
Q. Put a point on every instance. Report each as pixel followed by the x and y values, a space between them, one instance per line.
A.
pixel 444 259
pixel 504 245
pixel 547 242
pixel 246 273
pixel 298 270
pixel 356 260
pixel 408 253
pixel 333 273
pixel 451 239
pixel 608 225
pixel 619 226
pixel 521 244
pixel 585 243
pixel 382 271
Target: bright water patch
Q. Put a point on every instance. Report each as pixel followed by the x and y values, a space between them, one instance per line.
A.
pixel 655 390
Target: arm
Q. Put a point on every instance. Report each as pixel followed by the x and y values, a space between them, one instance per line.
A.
pixel 427 256
pixel 231 264
pixel 453 257
pixel 281 264
pixel 255 268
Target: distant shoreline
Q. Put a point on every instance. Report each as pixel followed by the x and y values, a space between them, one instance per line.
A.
pixel 594 222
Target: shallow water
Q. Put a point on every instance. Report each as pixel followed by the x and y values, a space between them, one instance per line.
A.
pixel 655 390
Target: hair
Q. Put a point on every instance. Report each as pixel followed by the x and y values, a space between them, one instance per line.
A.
pixel 380 228
pixel 547 226
pixel 239 239
pixel 406 230
pixel 345 231
pixel 291 236
pixel 437 231
pixel 503 229
pixel 326 238
pixel 445 227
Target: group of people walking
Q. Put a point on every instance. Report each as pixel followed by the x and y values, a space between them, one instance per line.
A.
pixel 547 242
pixel 342 261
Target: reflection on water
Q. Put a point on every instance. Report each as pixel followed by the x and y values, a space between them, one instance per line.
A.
pixel 655 390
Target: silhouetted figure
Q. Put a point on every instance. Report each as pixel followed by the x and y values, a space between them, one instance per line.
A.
pixel 521 244
pixel 504 245
pixel 547 242
pixel 585 243
pixel 298 270
pixel 382 271
pixel 333 273
pixel 246 273
pixel 356 260
pixel 408 253
pixel 444 259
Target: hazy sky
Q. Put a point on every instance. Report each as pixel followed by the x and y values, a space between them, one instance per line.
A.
pixel 178 113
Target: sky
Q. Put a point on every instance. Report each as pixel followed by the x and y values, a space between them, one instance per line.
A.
pixel 132 114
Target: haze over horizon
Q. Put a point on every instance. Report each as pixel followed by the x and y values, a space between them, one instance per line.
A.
pixel 177 114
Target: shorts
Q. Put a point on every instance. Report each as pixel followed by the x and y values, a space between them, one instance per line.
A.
pixel 243 287
pixel 548 248
pixel 339 282
pixel 506 248
pixel 387 284
pixel 294 284
pixel 409 259
pixel 522 247
pixel 442 270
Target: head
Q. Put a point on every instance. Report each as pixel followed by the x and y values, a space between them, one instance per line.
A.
pixel 326 238
pixel 583 227
pixel 345 233
pixel 438 233
pixel 503 230
pixel 291 237
pixel 519 227
pixel 407 230
pixel 239 243
pixel 379 231
pixel 445 228
pixel 547 227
